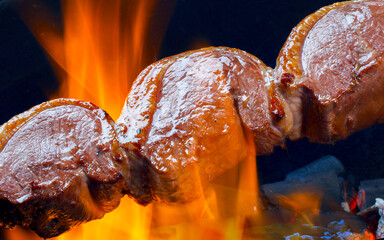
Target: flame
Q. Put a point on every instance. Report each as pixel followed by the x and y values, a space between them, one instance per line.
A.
pixel 305 205
pixel 220 214
pixel 102 49
pixel 301 202
pixel 129 221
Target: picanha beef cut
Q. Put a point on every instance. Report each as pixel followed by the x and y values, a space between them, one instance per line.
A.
pixel 193 115
pixel 60 165
pixel 189 118
pixel 336 56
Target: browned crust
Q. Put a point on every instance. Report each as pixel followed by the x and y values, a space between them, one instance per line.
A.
pixel 8 129
pixel 266 139
pixel 163 64
pixel 289 61
pixel 133 135
pixel 289 56
pixel 84 199
pixel 319 120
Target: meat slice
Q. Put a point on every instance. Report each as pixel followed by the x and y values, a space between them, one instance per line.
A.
pixel 193 116
pixel 60 165
pixel 336 58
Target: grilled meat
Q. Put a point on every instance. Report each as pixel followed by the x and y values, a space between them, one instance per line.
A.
pixel 336 56
pixel 191 116
pixel 60 165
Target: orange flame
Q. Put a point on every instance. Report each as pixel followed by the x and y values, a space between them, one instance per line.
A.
pixel 102 53
pixel 301 202
pixel 305 205
pixel 101 50
pixel 220 214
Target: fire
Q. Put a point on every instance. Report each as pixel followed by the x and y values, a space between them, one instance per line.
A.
pixel 101 50
pixel 303 204
pixel 220 214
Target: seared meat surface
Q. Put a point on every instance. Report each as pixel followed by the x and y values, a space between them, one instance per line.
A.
pixel 60 165
pixel 193 115
pixel 189 118
pixel 336 55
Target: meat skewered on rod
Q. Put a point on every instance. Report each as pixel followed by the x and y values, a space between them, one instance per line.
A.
pixel 61 165
pixel 336 57
pixel 192 117
pixel 189 118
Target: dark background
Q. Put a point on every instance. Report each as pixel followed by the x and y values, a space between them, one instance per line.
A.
pixel 259 27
